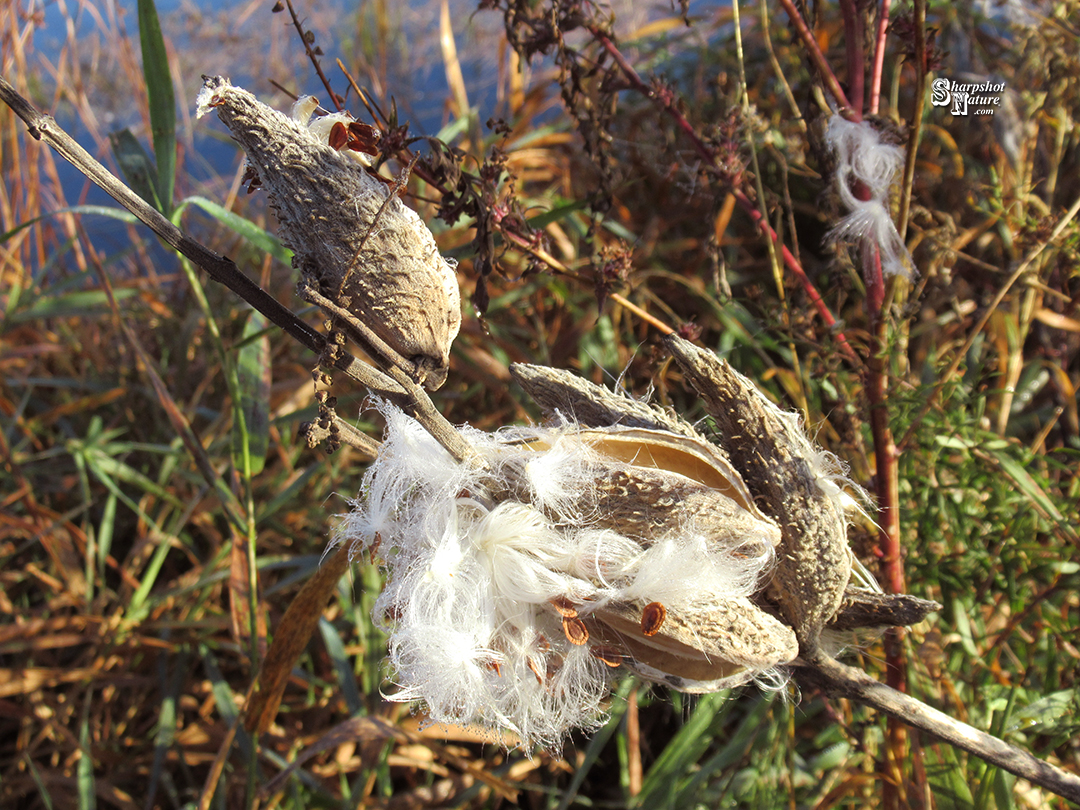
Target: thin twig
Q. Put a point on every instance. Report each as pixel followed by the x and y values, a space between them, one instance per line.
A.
pixel 810 42
pixel 307 38
pixel 916 117
pixel 879 57
pixel 671 107
pixel 844 681
pixel 223 270
pixel 960 355
pixel 778 72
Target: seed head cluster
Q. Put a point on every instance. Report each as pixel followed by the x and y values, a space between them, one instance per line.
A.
pixel 519 582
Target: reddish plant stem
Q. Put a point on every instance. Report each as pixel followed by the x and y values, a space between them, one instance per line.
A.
pixel 887 479
pixel 707 154
pixel 793 265
pixel 816 56
pixel 853 45
pixel 879 57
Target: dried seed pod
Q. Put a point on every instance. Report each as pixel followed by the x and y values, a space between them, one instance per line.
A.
pixel 363 255
pixel 561 392
pixel 648 483
pixel 784 469
pixel 653 486
pixel 703 649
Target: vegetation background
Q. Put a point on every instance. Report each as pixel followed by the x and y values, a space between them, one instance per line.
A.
pixel 151 466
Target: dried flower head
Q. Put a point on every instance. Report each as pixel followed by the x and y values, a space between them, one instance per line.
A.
pixel 363 255
pixel 516 586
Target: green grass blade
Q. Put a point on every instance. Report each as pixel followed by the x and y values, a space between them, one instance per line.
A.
pixel 342 666
pixel 597 742
pixel 84 773
pixel 287 495
pixel 43 789
pixel 251 436
pixel 264 241
pixel 1027 484
pixel 88 304
pixel 170 677
pixel 225 700
pixel 679 757
pixel 137 167
pixel 159 92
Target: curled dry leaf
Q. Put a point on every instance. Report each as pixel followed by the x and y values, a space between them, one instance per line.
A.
pixel 363 255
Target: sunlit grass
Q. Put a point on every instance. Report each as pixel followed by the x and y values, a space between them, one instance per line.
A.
pixel 129 513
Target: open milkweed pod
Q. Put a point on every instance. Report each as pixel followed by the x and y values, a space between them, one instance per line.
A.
pixel 363 255
pixel 797 484
pixel 518 586
pixel 652 484
pixel 558 392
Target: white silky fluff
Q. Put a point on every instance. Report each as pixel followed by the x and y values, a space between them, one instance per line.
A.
pixel 862 156
pixel 472 631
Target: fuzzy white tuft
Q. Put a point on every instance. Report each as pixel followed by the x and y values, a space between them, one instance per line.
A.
pixel 478 582
pixel 863 157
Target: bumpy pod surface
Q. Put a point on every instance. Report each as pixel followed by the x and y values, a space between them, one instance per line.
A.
pixel 359 247
pixel 797 484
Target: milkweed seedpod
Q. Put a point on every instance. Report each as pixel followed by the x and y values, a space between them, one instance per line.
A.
pixel 363 255
pixel 517 586
pixel 561 392
pixel 796 483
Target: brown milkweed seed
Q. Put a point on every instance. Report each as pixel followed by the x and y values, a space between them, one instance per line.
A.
pixel 564 607
pixel 609 655
pixel 576 632
pixel 535 670
pixel 652 618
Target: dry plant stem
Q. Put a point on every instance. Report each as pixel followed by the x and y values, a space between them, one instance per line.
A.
pixel 796 268
pixel 656 323
pixel 950 373
pixel 916 116
pixel 313 56
pixel 420 407
pixel 365 337
pixel 844 681
pixel 700 147
pixel 223 270
pixel 356 438
pixel 879 57
pixel 778 72
pixel 633 744
pixel 853 45
pixel 816 56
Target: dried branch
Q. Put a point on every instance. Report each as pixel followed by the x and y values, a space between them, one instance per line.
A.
pixel 844 681
pixel 221 269
pixel 668 103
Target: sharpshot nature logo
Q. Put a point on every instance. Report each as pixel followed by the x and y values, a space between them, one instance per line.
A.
pixel 981 98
